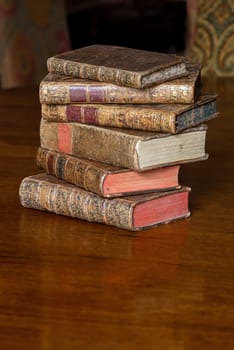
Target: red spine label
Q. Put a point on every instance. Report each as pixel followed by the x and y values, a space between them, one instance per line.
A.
pixel 96 94
pixel 64 138
pixel 74 114
pixel 78 94
pixel 90 115
pixel 50 164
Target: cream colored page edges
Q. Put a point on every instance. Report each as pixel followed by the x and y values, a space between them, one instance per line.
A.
pixel 170 149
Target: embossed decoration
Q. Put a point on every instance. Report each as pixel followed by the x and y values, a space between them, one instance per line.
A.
pixel 213 45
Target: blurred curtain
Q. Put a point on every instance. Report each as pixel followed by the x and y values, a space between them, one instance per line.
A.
pixel 210 38
pixel 30 32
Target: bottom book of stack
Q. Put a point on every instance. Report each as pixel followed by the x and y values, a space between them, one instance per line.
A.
pixel 135 212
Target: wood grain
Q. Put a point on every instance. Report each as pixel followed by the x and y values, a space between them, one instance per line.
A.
pixel 68 284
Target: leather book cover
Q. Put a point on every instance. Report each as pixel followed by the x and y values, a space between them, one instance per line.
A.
pixel 104 179
pixel 118 65
pixel 63 89
pixel 47 193
pixel 134 149
pixel 171 118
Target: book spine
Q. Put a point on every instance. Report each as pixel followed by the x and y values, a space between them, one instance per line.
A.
pixel 73 170
pixel 88 142
pixel 57 93
pixel 75 202
pixel 60 93
pixel 173 93
pixel 100 73
pixel 114 116
pixel 55 112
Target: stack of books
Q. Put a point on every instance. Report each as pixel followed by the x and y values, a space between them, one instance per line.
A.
pixel 117 123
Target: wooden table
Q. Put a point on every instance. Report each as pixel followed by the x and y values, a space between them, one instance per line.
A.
pixel 68 284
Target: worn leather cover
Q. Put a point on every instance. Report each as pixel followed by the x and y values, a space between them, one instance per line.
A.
pixel 60 89
pixel 46 192
pixel 119 65
pixel 151 117
pixel 84 173
pixel 89 174
pixel 115 146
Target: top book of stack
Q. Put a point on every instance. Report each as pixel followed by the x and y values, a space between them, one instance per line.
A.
pixel 119 65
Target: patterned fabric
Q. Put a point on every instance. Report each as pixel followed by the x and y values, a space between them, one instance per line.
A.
pixel 30 32
pixel 210 38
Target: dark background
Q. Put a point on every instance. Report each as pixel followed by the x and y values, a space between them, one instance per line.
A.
pixel 145 24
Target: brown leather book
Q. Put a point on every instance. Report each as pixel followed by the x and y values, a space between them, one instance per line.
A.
pixel 154 117
pixel 46 192
pixel 118 65
pixel 62 89
pixel 134 149
pixel 104 179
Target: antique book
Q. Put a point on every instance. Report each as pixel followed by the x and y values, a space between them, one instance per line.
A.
pixel 118 65
pixel 46 192
pixel 104 179
pixel 154 117
pixel 62 89
pixel 127 148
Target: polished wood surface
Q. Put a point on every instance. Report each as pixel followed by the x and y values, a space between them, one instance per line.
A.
pixel 68 284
